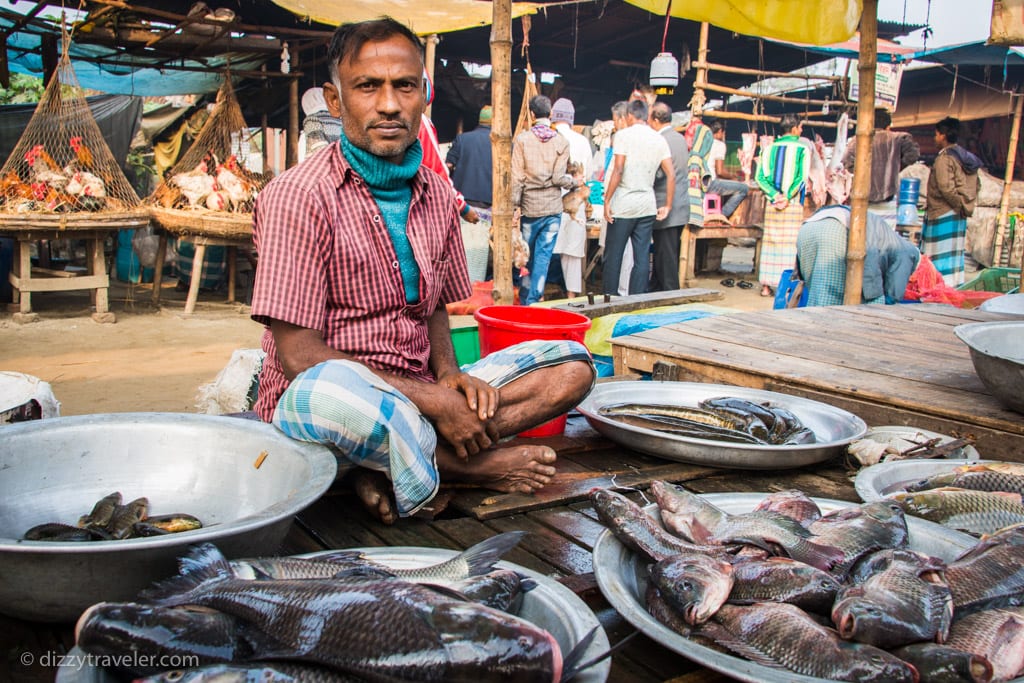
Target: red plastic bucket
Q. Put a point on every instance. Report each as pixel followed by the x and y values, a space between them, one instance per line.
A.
pixel 502 326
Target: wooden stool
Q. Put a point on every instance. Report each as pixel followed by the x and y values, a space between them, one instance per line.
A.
pixel 200 242
pixel 688 246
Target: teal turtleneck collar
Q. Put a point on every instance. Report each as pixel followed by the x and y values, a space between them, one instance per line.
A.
pixel 389 184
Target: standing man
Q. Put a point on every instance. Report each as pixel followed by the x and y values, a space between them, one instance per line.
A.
pixel 782 176
pixel 540 158
pixel 891 152
pixel 571 244
pixel 723 182
pixel 952 194
pixel 630 207
pixel 469 161
pixel 669 231
pixel 360 251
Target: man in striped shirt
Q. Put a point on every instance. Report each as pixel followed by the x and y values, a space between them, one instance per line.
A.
pixel 359 252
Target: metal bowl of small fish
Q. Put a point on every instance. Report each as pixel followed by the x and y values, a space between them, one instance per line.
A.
pixel 623 577
pixel 822 431
pixel 243 479
pixel 997 351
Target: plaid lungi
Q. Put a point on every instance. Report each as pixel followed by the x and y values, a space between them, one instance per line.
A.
pixel 778 246
pixel 943 240
pixel 821 247
pixel 343 404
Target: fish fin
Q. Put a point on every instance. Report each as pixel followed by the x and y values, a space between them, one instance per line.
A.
pixel 571 664
pixel 345 557
pixel 481 558
pixel 945 618
pixel 202 563
pixel 448 591
pixel 369 571
pixel 825 557
pixel 723 637
pixel 526 584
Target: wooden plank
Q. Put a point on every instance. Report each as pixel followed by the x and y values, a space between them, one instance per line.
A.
pixel 553 548
pixel 321 521
pixel 299 541
pixel 638 302
pixel 465 532
pixel 58 284
pixel 50 272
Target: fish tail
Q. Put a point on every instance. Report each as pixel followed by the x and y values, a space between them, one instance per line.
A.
pixel 480 558
pixel 204 562
pixel 824 557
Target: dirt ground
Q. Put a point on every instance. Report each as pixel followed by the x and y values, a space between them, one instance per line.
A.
pixel 155 359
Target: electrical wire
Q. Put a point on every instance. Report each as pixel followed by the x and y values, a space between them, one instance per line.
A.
pixel 664 35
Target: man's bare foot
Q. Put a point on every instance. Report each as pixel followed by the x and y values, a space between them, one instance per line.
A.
pixel 511 469
pixel 374 490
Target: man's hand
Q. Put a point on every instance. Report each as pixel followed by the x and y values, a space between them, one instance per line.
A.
pixel 480 396
pixel 780 203
pixel 608 214
pixel 459 425
pixel 662 212
pixel 471 216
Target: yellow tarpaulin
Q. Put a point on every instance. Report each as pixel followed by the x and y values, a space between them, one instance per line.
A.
pixel 424 18
pixel 818 22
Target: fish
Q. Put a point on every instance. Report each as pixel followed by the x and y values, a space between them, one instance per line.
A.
pixel 990 574
pixel 102 511
pixel 53 531
pixel 125 517
pixel 861 529
pixel 756 418
pixel 685 514
pixel 780 579
pixel 677 412
pixel 892 608
pixel 684 428
pixel 695 585
pixel 792 503
pixel 942 664
pixel 502 589
pixel 174 523
pixel 337 623
pixel 635 529
pixel 997 635
pixel 160 634
pixel 665 614
pixel 931 569
pixel 975 512
pixel 253 672
pixel 974 478
pixel 475 560
pixel 999 466
pixel 784 636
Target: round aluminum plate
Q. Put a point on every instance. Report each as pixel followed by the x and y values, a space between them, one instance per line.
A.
pixel 833 428
pixel 550 606
pixel 622 578
pixel 878 481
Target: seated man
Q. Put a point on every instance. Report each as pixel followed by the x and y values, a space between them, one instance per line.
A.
pixel 723 182
pixel 889 261
pixel 360 250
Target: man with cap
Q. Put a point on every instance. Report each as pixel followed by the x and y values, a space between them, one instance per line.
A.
pixel 571 244
pixel 319 127
pixel 469 161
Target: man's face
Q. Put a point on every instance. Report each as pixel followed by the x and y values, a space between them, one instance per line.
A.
pixel 379 97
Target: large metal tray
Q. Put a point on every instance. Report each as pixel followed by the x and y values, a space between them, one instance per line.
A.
pixel 550 605
pixel 622 578
pixel 834 428
pixel 878 481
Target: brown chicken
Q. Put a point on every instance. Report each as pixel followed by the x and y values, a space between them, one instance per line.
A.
pixel 82 153
pixel 13 187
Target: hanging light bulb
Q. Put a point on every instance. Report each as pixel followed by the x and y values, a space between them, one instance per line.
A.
pixel 664 73
pixel 286 60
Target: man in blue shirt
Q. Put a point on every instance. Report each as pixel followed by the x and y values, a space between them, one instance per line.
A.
pixel 469 161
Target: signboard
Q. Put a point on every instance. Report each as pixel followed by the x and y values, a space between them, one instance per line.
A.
pixel 887 83
pixel 1007 22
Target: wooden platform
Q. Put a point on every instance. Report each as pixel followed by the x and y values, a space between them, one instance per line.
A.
pixel 891 365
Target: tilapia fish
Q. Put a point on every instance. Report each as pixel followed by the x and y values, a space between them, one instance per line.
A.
pixel 501 589
pixel 974 478
pixel 685 514
pixel 255 672
pixel 780 579
pixel 942 664
pixel 792 503
pixel 637 531
pixel 929 568
pixel 861 529
pixel 478 559
pixel 997 635
pixel 337 623
pixel 991 574
pixel 781 635
pixel 694 584
pixel 976 512
pixel 892 608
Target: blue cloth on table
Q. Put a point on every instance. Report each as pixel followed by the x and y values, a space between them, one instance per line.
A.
pixel 640 322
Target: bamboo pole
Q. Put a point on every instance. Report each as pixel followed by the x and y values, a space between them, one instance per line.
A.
pixel 1004 202
pixel 743 116
pixel 701 78
pixel 501 144
pixel 291 153
pixel 752 72
pixel 772 98
pixel 855 247
pixel 429 58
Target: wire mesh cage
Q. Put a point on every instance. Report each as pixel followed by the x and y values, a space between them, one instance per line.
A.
pixel 61 173
pixel 210 191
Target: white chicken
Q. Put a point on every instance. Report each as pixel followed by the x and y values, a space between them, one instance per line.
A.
pixel 231 182
pixel 85 184
pixel 44 168
pixel 195 184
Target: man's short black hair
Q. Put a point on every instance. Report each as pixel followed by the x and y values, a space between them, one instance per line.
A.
pixel 540 106
pixel 716 126
pixel 883 119
pixel 349 39
pixel 950 128
pixel 661 112
pixel 637 109
pixel 788 123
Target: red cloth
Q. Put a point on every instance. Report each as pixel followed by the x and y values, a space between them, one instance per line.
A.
pixel 326 262
pixel 483 295
pixel 926 285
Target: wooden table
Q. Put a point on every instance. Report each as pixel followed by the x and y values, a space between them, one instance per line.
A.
pixel 692 233
pixel 26 279
pixel 891 365
pixel 201 242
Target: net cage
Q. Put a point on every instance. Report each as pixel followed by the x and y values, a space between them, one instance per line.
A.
pixel 61 174
pixel 210 191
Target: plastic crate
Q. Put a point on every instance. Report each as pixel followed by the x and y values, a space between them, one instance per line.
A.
pixel 466 342
pixel 1002 280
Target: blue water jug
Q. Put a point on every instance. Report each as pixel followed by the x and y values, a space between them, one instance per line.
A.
pixel 906 214
pixel 910 189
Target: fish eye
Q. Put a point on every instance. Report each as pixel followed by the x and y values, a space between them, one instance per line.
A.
pixel 687 586
pixel 172 676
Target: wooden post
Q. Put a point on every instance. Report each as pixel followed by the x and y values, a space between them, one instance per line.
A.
pixel 862 166
pixel 701 78
pixel 429 58
pixel 501 144
pixel 291 154
pixel 1004 203
pixel 263 124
